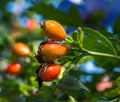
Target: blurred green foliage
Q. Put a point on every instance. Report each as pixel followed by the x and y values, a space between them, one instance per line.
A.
pixel 88 44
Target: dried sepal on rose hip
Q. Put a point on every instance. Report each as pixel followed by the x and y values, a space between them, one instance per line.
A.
pixel 13 69
pixel 48 72
pixel 49 51
pixel 20 49
pixel 53 30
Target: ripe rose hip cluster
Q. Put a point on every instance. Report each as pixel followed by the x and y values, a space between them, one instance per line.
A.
pixel 49 51
pixel 20 50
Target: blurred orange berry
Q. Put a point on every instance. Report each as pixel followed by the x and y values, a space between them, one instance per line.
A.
pixel 15 27
pixel 13 68
pixel 21 49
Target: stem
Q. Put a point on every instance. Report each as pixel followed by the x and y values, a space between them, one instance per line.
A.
pixel 102 54
pixel 72 99
pixel 79 42
pixel 80 37
pixel 68 40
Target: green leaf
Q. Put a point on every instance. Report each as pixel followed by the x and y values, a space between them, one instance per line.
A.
pixel 80 37
pixel 18 99
pixel 112 93
pixel 74 16
pixel 47 92
pixel 72 86
pixel 75 40
pixel 4 91
pixel 116 83
pixel 95 18
pixel 62 97
pixel 118 47
pixel 71 19
pixel 107 34
pixel 74 35
pixel 102 99
pixel 70 42
pixel 95 41
pixel 116 28
pixel 86 58
pixel 24 88
pixel 4 38
pixel 9 83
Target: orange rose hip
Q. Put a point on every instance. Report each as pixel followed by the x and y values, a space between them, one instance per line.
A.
pixel 21 49
pixel 53 30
